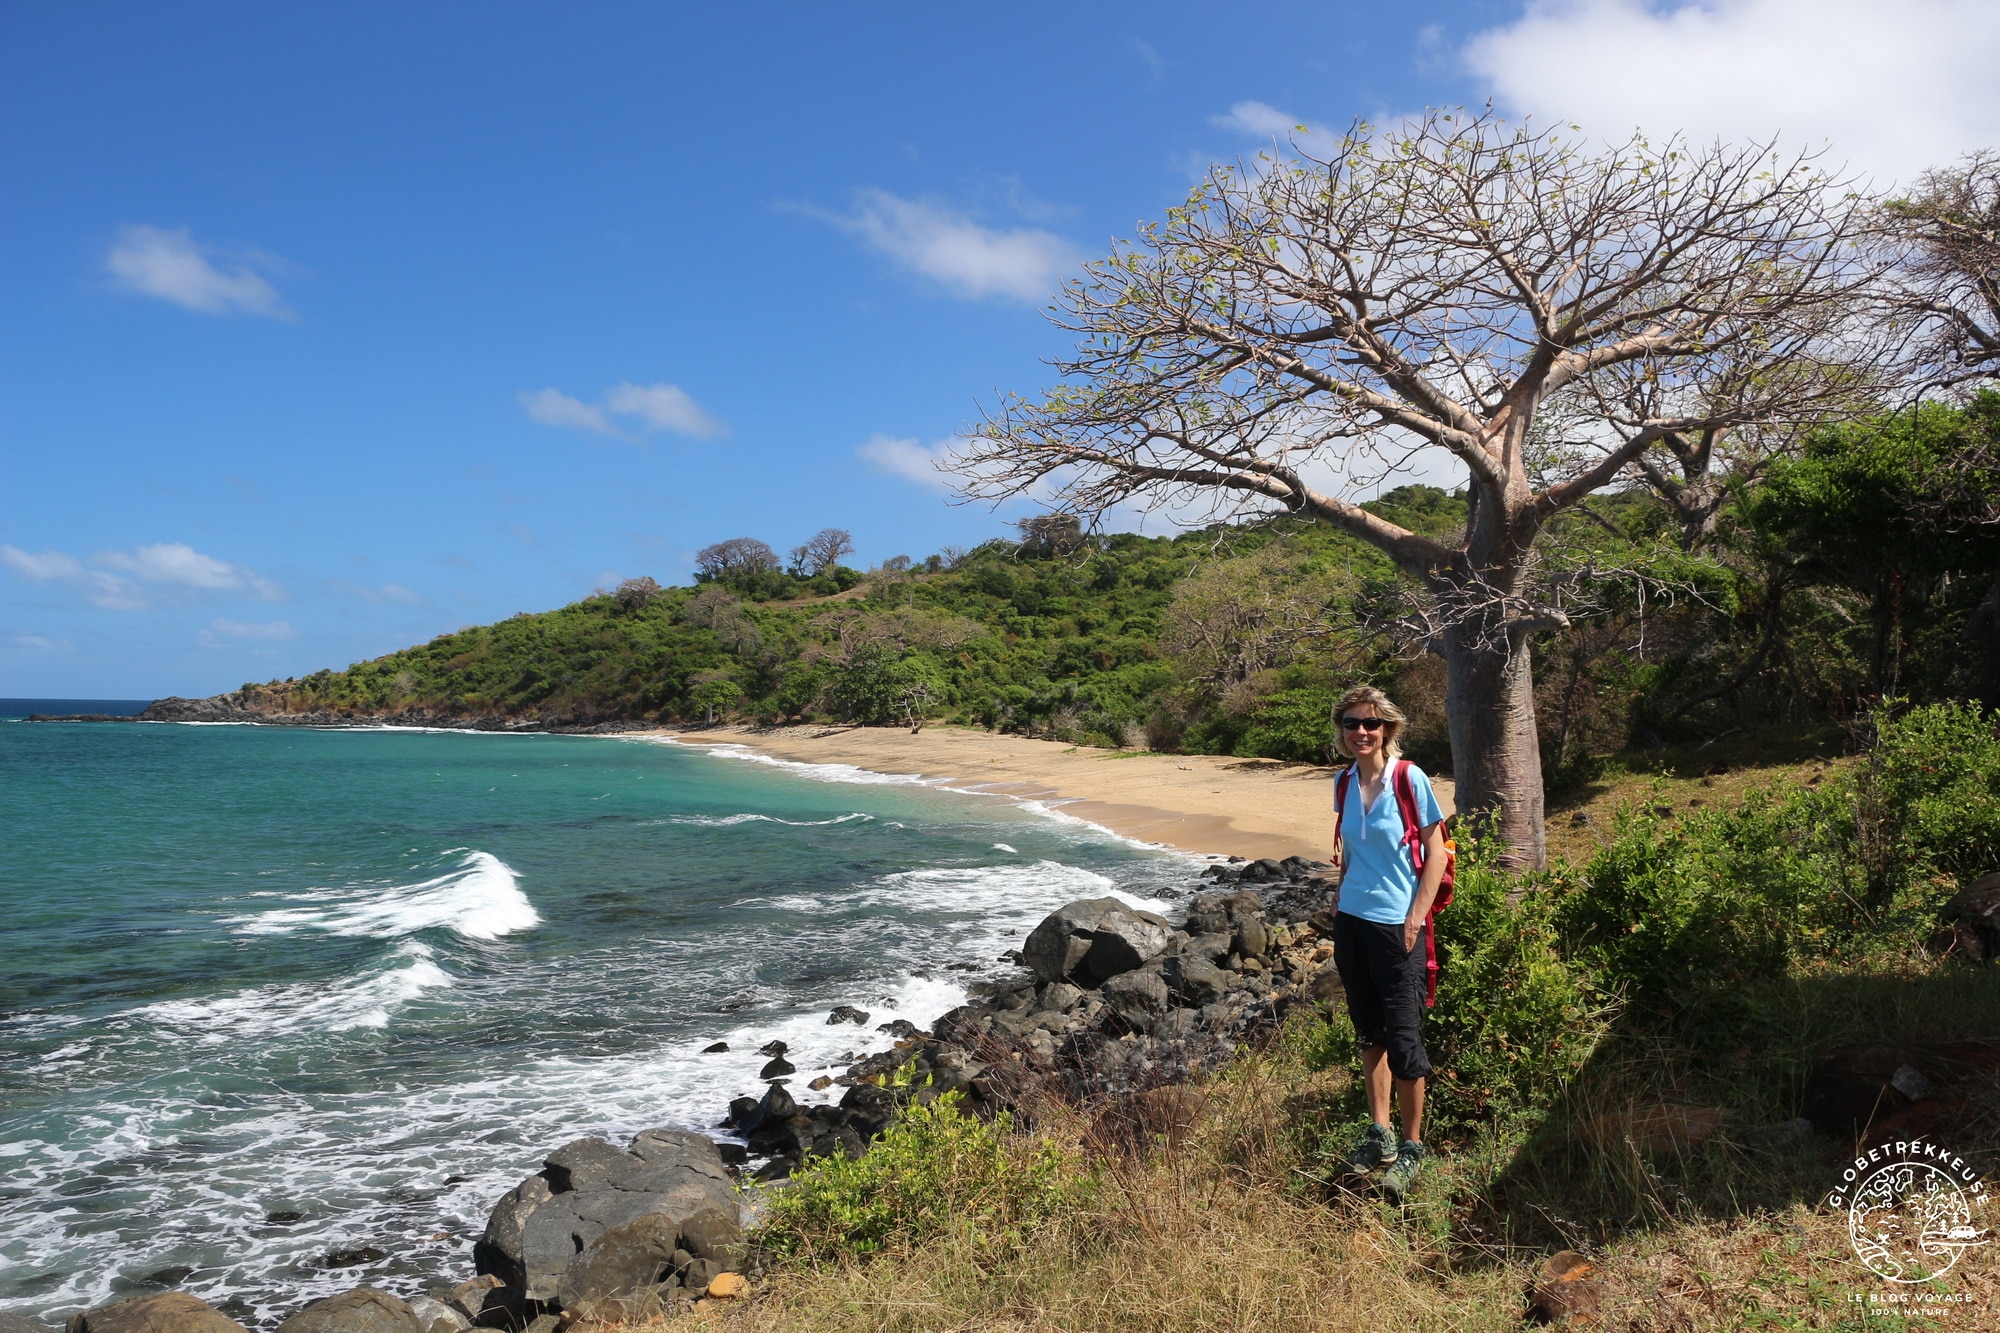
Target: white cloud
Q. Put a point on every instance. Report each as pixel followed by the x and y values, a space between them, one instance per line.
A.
pixel 552 407
pixel 653 407
pixel 1258 119
pixel 48 567
pixel 41 643
pixel 169 265
pixel 662 407
pixel 947 246
pixel 378 593
pixel 908 459
pixel 270 629
pixel 168 563
pixel 179 563
pixel 104 590
pixel 1890 88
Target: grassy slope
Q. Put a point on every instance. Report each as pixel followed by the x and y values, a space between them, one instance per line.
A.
pixel 1231 1231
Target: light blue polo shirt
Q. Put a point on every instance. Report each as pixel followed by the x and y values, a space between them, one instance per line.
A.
pixel 1380 882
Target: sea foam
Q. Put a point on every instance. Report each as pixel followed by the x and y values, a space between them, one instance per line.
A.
pixel 366 1001
pixel 480 900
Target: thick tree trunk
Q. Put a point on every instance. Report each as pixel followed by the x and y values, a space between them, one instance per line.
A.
pixel 1496 756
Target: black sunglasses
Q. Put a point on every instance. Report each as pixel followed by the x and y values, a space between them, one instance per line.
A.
pixel 1361 723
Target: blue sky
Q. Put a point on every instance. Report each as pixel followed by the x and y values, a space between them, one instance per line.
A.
pixel 332 327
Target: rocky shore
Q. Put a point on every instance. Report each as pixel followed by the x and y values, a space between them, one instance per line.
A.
pixel 1111 1008
pixel 239 707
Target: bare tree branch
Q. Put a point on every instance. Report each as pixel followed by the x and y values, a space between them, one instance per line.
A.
pixel 1436 289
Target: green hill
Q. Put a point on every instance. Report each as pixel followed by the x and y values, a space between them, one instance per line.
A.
pixel 1102 640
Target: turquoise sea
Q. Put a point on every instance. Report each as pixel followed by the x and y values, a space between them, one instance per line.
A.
pixel 285 1011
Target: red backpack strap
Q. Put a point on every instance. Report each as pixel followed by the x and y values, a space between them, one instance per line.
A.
pixel 1413 837
pixel 1406 801
pixel 1340 803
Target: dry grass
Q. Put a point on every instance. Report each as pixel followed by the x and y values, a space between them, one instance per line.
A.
pixel 1688 777
pixel 1232 1229
pixel 1229 1231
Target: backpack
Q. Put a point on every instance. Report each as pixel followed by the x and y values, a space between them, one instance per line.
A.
pixel 1406 804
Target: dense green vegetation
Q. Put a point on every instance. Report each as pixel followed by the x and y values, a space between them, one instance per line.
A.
pixel 1863 566
pixel 1055 634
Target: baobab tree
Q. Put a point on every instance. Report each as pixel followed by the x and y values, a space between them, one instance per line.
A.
pixel 821 552
pixel 1302 328
pixel 734 558
pixel 1944 238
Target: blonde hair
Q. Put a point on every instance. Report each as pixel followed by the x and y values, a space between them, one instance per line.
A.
pixel 1392 716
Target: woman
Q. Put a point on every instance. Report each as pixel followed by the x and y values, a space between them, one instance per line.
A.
pixel 1379 943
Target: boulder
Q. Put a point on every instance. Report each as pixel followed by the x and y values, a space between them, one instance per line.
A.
pixel 1091 940
pixel 590 1187
pixel 683 1150
pixel 780 1138
pixel 623 1263
pixel 1857 1090
pixel 1138 997
pixel 1124 941
pixel 1325 985
pixel 483 1296
pixel 168 1312
pixel 1058 996
pixel 437 1316
pixel 774 1047
pixel 777 1067
pixel 728 1287
pixel 1240 916
pixel 847 1013
pixel 1055 949
pixel 1251 938
pixel 712 1234
pixel 777 1104
pixel 363 1310
pixel 1194 979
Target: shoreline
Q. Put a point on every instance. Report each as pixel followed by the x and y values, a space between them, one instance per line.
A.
pixel 1214 805
pixel 1200 804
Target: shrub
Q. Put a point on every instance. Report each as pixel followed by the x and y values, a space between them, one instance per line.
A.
pixel 1672 911
pixel 1292 724
pixel 1676 912
pixel 1928 803
pixel 1513 1023
pixel 933 1170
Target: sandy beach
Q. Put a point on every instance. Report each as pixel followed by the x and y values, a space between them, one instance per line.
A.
pixel 1199 803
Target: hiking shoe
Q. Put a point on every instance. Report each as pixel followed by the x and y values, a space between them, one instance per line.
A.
pixel 1370 1151
pixel 1402 1175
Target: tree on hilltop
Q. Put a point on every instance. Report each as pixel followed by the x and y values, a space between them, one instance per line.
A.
pixel 1461 291
pixel 734 558
pixel 821 552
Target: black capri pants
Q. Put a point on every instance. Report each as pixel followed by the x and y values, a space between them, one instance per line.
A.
pixel 1385 990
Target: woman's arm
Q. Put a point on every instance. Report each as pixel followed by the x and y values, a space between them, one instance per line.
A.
pixel 1427 886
